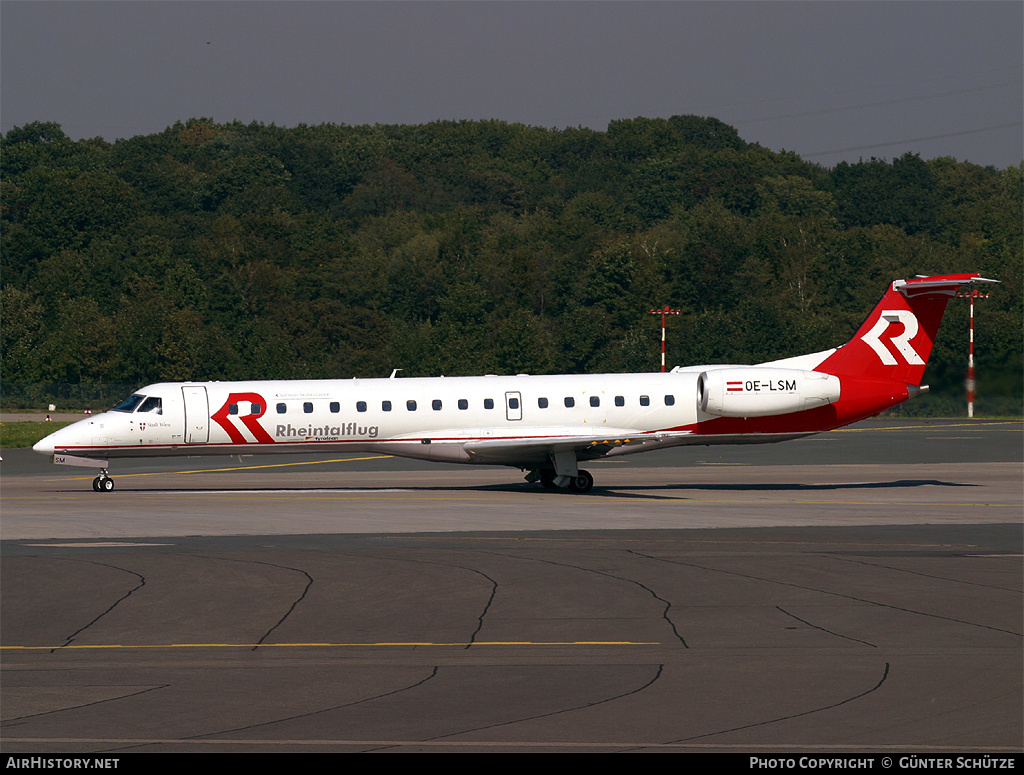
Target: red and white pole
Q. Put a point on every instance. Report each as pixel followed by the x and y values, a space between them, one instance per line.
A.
pixel 970 367
pixel 666 311
pixel 971 384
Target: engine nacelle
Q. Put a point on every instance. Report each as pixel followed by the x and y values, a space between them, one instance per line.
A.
pixel 757 391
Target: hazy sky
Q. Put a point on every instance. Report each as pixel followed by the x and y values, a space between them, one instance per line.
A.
pixel 829 80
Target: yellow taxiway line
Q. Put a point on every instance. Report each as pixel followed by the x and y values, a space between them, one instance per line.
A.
pixel 251 468
pixel 332 645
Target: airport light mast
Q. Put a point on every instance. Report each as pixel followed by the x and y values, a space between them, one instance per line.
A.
pixel 663 312
pixel 972 295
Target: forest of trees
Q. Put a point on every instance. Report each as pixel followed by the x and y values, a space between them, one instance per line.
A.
pixel 241 251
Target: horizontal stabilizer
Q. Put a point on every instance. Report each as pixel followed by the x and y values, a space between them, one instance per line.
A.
pixel 946 285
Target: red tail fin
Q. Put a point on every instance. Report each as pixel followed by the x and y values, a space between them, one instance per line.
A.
pixel 895 341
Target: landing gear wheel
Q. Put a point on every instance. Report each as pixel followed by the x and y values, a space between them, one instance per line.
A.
pixel 547 478
pixel 106 485
pixel 96 484
pixel 582 482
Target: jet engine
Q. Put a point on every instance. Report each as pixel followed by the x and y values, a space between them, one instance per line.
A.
pixel 755 391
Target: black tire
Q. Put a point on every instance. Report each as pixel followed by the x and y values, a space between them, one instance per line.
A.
pixel 582 482
pixel 106 485
pixel 547 478
pixel 96 484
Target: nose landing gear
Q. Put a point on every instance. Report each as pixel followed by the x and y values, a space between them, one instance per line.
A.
pixel 103 483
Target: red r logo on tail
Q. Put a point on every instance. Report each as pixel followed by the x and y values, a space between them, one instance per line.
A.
pixel 901 341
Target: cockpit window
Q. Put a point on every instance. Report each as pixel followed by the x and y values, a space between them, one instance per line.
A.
pixel 152 404
pixel 129 404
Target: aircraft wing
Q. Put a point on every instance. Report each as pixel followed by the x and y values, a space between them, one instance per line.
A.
pixel 531 450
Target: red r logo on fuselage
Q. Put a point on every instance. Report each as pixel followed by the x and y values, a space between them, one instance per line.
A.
pixel 257 408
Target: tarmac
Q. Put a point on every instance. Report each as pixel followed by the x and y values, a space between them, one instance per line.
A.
pixel 860 591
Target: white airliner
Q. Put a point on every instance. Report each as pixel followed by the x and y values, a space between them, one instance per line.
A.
pixel 544 425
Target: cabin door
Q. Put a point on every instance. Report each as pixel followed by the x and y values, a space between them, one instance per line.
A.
pixel 513 406
pixel 197 414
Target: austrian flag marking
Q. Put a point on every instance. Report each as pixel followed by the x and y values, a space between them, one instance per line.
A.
pixel 734 387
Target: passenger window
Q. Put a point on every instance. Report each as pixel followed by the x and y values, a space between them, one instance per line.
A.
pixel 488 403
pixel 620 401
pixel 542 403
pixel 360 406
pixel 570 402
pixel 435 405
pixel 232 408
pixel 257 409
pixel 385 406
pixel 335 407
pixel 513 403
pixel 645 400
pixel 463 403
pixel 281 408
pixel 595 401
pixel 410 405
pixel 670 400
pixel 152 404
pixel 307 407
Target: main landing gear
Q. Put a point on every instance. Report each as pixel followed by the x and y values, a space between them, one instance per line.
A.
pixel 103 483
pixel 580 483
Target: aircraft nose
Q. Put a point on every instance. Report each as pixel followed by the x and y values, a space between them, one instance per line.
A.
pixel 44 446
pixel 48 445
